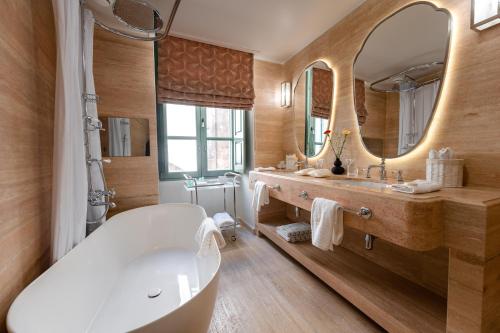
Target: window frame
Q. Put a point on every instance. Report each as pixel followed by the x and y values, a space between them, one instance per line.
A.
pixel 310 143
pixel 204 141
pixel 201 144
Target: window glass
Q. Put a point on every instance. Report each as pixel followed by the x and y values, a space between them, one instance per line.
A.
pixel 181 120
pixel 182 155
pixel 320 125
pixel 218 122
pixel 219 155
pixel 200 141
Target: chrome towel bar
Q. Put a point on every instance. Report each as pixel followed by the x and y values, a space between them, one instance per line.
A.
pixel 363 212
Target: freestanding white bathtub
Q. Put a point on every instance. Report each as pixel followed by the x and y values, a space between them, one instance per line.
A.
pixel 107 283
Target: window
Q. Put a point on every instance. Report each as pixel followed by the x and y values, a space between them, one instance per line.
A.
pixel 320 125
pixel 315 126
pixel 200 141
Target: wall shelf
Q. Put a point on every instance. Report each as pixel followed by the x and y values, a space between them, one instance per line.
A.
pixel 397 304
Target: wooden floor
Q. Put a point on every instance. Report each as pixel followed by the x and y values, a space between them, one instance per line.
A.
pixel 263 290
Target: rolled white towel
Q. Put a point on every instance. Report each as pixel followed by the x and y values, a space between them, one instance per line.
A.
pixel 260 195
pixel 446 153
pixel 223 219
pixel 327 223
pixel 320 173
pixel 208 236
pixel 258 169
pixel 433 154
pixel 417 186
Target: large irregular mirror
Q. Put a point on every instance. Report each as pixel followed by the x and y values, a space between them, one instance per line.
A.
pixel 398 75
pixel 122 137
pixel 312 107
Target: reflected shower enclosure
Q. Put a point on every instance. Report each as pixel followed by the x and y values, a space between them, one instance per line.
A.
pixel 125 137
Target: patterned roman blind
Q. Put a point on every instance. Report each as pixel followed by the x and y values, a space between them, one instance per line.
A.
pixel 201 74
pixel 359 96
pixel 322 92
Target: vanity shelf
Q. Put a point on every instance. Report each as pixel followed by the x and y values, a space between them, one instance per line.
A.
pixel 395 303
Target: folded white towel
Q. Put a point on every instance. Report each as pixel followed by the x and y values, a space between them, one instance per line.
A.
pixel 417 186
pixel 208 236
pixel 264 169
pixel 223 219
pixel 304 172
pixel 320 173
pixel 327 223
pixel 260 195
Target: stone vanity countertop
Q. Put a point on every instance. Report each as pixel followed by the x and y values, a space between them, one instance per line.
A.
pixel 471 195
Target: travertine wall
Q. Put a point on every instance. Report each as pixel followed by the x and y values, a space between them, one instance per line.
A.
pixel 467 115
pixel 27 89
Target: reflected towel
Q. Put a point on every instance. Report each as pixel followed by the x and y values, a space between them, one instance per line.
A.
pixel 223 219
pixel 417 186
pixel 260 195
pixel 327 223
pixel 204 238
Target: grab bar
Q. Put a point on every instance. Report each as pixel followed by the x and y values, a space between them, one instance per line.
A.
pixel 363 212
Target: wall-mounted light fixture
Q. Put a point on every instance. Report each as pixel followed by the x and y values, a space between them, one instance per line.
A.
pixel 485 14
pixel 286 94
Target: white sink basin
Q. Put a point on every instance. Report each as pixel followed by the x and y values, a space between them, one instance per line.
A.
pixel 362 183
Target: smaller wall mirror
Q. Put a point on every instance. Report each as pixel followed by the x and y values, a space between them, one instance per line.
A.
pixel 398 74
pixel 124 137
pixel 312 107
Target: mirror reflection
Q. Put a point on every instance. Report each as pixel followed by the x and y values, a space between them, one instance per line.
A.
pixel 398 77
pixel 124 137
pixel 312 107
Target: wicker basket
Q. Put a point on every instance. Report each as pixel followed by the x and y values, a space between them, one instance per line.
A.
pixel 448 173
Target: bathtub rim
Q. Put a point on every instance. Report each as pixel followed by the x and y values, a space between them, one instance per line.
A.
pixel 215 276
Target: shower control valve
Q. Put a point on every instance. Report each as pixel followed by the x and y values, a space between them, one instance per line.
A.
pixel 93 124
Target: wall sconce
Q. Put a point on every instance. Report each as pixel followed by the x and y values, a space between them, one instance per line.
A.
pixel 286 94
pixel 485 14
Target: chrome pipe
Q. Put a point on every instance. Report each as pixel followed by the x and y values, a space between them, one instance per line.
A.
pixel 369 241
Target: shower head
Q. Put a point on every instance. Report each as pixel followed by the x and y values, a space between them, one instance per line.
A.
pixel 410 79
pixel 148 20
pixel 404 83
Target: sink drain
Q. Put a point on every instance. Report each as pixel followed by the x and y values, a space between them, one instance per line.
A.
pixel 155 292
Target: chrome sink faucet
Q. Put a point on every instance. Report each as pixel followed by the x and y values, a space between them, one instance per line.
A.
pixel 383 175
pixel 303 164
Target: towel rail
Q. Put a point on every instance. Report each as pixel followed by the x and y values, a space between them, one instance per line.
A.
pixel 363 212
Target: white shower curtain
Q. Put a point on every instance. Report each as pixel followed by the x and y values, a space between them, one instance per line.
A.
pixel 406 99
pixel 119 137
pixel 415 110
pixel 425 97
pixel 69 187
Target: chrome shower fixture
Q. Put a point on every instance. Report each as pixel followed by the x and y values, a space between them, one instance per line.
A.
pixel 147 20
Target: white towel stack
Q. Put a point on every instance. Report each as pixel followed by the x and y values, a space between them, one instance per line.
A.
pixel 223 219
pixel 260 195
pixel 208 236
pixel 327 223
pixel 417 186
